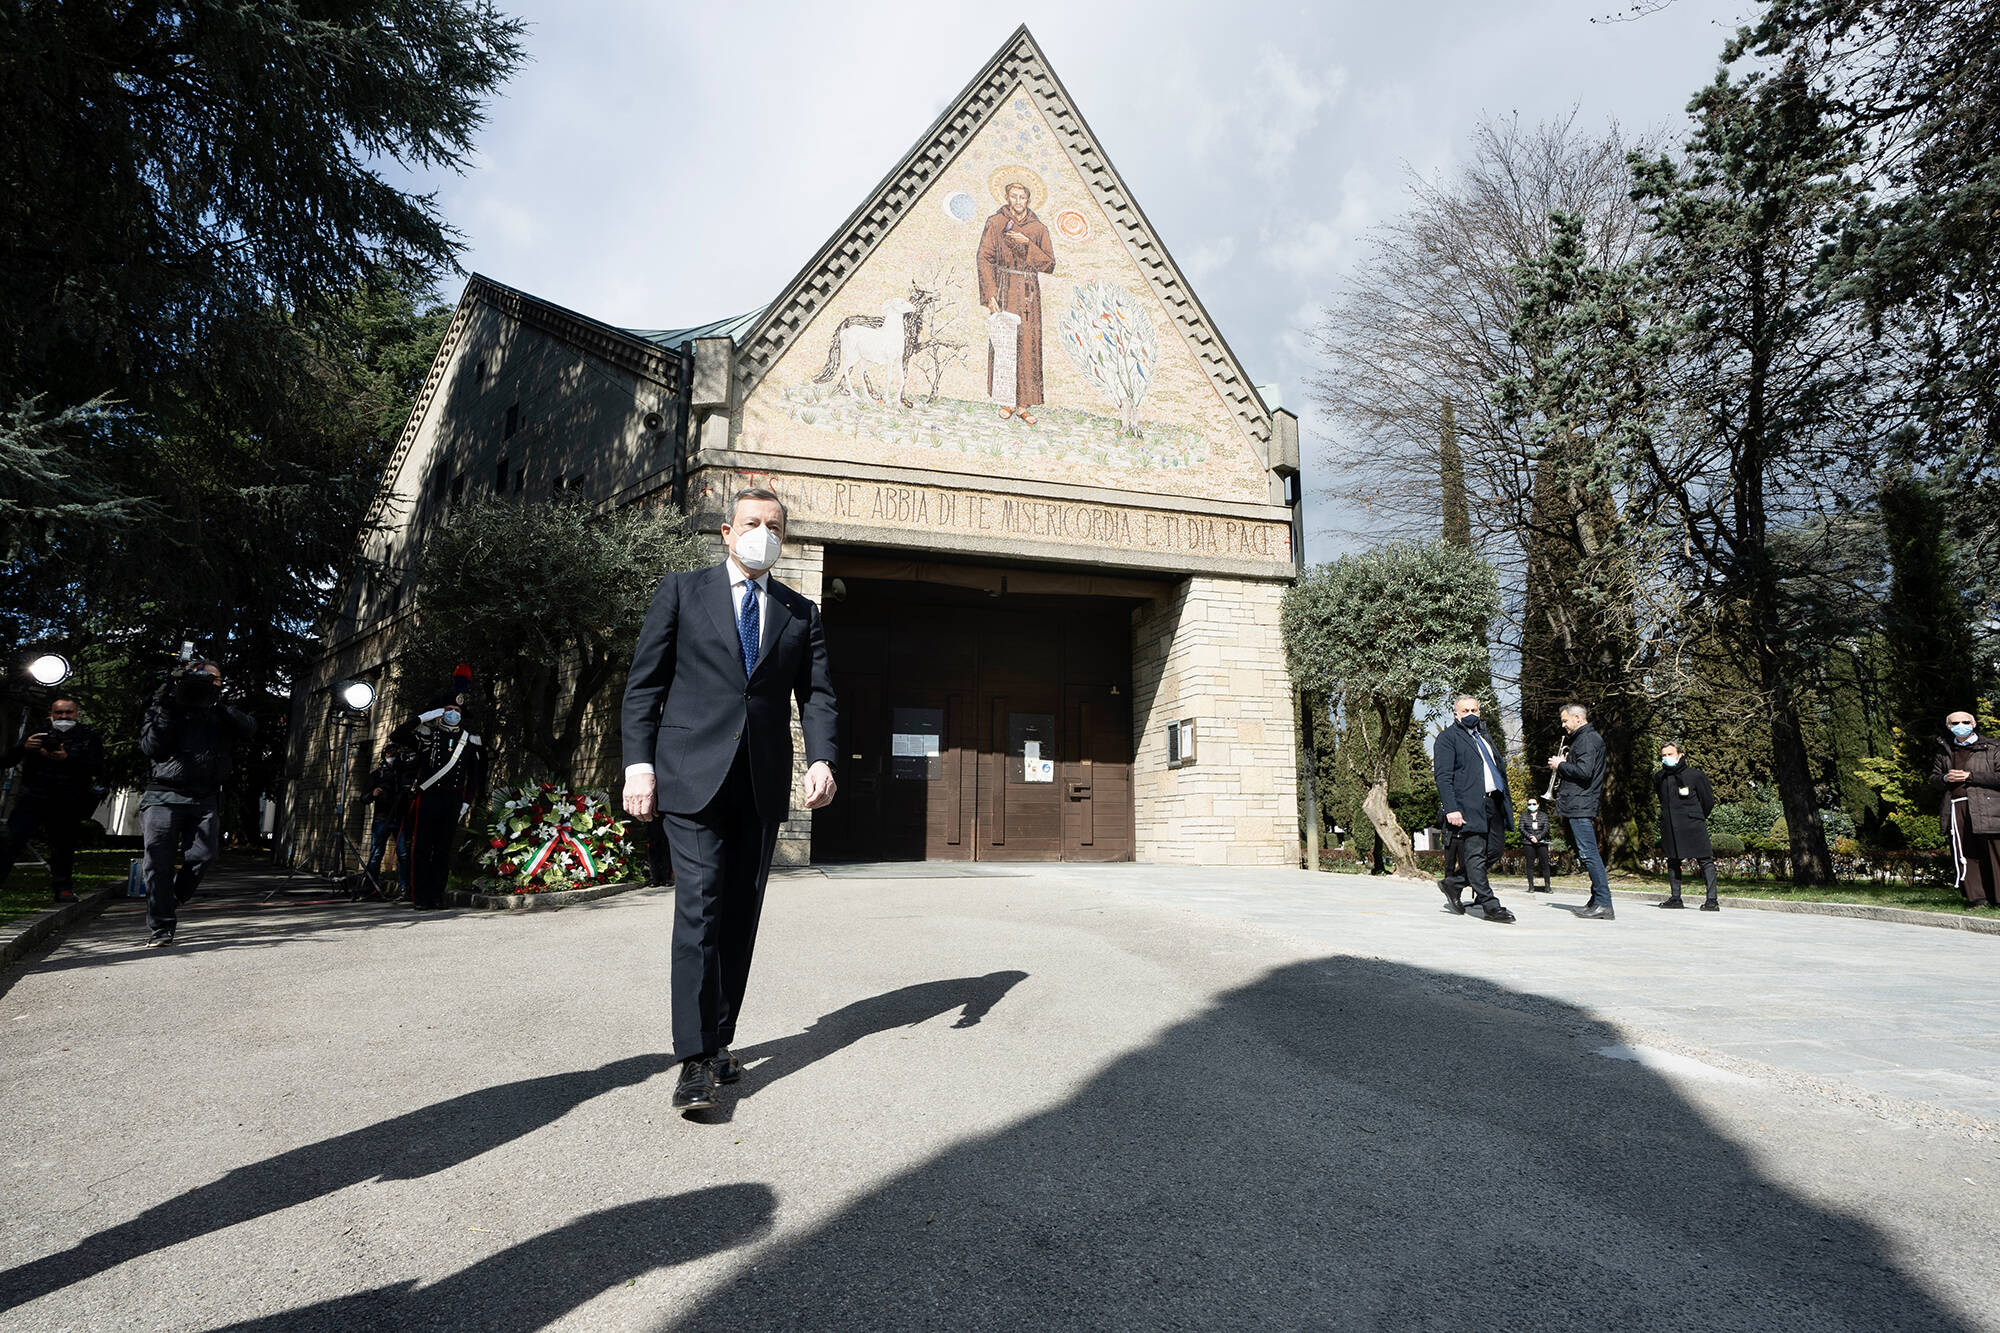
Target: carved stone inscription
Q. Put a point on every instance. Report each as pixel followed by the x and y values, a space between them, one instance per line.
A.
pixel 1025 518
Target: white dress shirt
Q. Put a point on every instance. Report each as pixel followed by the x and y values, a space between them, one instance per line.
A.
pixel 1493 783
pixel 738 580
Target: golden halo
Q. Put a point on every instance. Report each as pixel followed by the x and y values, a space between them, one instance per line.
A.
pixel 1013 175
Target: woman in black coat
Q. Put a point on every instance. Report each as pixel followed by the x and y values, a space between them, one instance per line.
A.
pixel 1685 800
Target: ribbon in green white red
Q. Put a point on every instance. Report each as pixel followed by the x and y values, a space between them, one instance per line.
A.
pixel 548 851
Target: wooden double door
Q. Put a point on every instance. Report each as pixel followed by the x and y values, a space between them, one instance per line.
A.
pixel 979 728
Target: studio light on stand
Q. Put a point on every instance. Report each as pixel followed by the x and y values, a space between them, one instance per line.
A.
pixel 49 670
pixel 351 701
pixel 44 673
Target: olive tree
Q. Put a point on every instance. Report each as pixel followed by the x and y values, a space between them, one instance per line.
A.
pixel 1379 632
pixel 544 603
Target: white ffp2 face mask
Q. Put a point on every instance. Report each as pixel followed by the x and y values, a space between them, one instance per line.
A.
pixel 757 549
pixel 62 723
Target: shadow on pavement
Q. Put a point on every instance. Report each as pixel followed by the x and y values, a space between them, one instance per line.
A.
pixel 231 912
pixel 907 1006
pixel 901 1008
pixel 1345 1143
pixel 530 1285
pixel 420 1143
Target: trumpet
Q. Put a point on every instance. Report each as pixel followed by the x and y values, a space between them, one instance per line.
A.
pixel 1555 780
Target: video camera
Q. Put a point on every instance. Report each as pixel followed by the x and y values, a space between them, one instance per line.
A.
pixel 185 682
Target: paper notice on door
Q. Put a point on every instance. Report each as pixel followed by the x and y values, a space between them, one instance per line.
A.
pixel 1031 750
pixel 1038 770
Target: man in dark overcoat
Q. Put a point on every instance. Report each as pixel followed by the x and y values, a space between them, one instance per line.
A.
pixel 1967 772
pixel 1472 792
pixel 1685 800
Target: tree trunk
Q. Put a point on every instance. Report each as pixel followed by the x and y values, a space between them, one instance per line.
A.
pixel 1376 805
pixel 1810 861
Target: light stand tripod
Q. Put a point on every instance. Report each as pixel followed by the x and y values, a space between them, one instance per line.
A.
pixel 351 701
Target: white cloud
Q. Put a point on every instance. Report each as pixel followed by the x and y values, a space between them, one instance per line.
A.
pixel 1282 107
pixel 1208 258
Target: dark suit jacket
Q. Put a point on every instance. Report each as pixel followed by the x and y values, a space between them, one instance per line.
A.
pixel 1461 780
pixel 688 706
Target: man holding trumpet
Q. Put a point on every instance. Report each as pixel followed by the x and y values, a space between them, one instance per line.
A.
pixel 1577 789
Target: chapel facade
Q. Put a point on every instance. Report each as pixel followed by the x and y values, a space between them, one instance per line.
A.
pixel 1047 515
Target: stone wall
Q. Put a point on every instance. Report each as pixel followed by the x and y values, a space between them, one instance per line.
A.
pixel 1211 651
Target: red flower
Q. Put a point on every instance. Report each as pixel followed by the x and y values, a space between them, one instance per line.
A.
pixel 548 786
pixel 498 843
pixel 581 802
pixel 506 867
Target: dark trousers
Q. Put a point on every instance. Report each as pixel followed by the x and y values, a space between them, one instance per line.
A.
pixel 722 858
pixel 190 835
pixel 1583 836
pixel 57 824
pixel 1536 854
pixel 1707 864
pixel 1470 853
pixel 1975 857
pixel 433 825
pixel 381 832
pixel 1454 859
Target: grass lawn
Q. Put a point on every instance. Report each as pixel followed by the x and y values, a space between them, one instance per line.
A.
pixel 27 890
pixel 1920 897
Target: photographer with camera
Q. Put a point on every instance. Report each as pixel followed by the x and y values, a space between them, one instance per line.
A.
pixel 388 788
pixel 60 766
pixel 187 734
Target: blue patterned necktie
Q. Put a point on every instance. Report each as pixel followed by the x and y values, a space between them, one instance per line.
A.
pixel 747 627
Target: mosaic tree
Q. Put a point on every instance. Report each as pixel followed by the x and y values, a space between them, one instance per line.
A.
pixel 1108 338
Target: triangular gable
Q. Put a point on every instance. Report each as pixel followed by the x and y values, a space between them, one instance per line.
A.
pixel 1019 65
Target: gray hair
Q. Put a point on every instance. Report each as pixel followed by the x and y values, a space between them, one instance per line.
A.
pixel 1578 709
pixel 757 493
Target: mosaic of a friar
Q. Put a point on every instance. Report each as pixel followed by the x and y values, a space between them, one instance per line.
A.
pixel 1014 251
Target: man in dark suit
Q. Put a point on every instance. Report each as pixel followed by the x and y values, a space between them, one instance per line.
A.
pixel 708 746
pixel 1580 769
pixel 1472 792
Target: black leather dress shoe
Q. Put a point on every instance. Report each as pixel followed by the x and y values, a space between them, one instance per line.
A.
pixel 727 1067
pixel 1596 913
pixel 1495 912
pixel 696 1090
pixel 1451 902
pixel 1711 906
pixel 1674 901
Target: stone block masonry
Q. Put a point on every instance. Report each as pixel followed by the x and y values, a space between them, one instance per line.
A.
pixel 1211 652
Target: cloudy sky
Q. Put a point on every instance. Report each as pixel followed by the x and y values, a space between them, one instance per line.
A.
pixel 660 165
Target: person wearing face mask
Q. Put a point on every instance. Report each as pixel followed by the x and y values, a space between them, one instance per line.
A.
pixel 1535 845
pixel 724 653
pixel 1685 802
pixel 1581 767
pixel 60 765
pixel 1472 792
pixel 446 770
pixel 187 735
pixel 1967 773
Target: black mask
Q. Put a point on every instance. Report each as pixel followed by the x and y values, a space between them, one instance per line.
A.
pixel 196 689
pixel 1470 722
